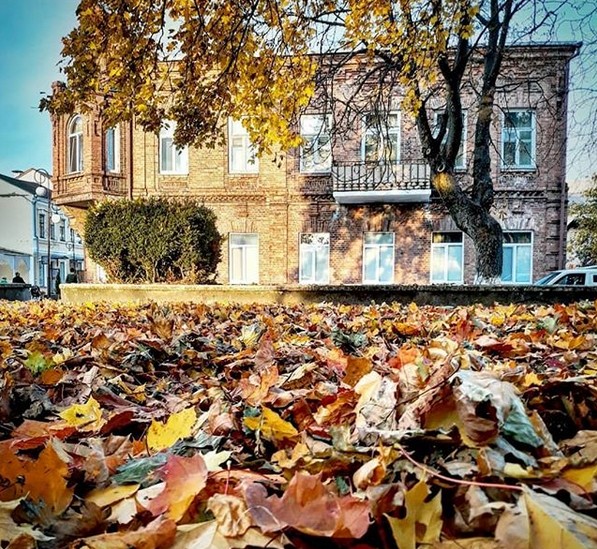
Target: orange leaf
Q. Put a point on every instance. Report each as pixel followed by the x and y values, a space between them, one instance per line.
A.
pixel 42 479
pixel 185 477
pixel 309 507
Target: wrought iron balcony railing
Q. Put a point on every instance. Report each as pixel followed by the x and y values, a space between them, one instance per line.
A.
pixel 361 182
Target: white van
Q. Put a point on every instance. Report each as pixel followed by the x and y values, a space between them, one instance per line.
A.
pixel 583 276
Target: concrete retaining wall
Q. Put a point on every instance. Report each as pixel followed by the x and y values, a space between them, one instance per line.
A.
pixel 291 295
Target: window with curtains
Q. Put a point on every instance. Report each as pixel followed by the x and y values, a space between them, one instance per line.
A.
pixel 518 139
pixel 316 151
pixel 241 153
pixel 381 138
pixel 173 160
pixel 112 149
pixel 446 258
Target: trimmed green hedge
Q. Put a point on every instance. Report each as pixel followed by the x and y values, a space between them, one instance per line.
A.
pixel 154 240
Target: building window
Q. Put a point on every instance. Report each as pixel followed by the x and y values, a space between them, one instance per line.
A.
pixel 244 258
pixel 63 230
pixel 446 258
pixel 378 258
pixel 518 253
pixel 518 140
pixel 72 235
pixel 42 225
pixel 75 145
pixel 316 151
pixel 381 138
pixel 112 149
pixel 460 162
pixel 173 160
pixel 241 153
pixel 314 258
pixel 52 231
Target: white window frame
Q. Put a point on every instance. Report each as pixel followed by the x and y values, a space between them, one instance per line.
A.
pixel 112 149
pixel 515 248
pixel 167 135
pixel 315 127
pixel 382 133
pixel 314 249
pixel 249 163
pixel 245 249
pixel 74 156
pixel 379 247
pixel 436 246
pixel 460 162
pixel 532 153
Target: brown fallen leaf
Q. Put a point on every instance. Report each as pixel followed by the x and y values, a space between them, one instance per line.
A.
pixel 10 530
pixel 158 534
pixel 308 506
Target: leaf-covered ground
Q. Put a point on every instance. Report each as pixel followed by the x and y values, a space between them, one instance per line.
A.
pixel 197 427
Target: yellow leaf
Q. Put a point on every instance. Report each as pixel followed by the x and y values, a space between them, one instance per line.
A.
pixel 422 523
pixel 88 415
pixel 179 425
pixel 553 524
pixel 103 497
pixel 583 476
pixel 271 426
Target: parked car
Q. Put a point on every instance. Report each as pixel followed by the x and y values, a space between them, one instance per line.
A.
pixel 582 276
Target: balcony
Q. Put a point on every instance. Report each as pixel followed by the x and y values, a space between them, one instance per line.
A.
pixel 81 190
pixel 378 182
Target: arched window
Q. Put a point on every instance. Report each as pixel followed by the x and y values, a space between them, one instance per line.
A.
pixel 75 145
pixel 112 149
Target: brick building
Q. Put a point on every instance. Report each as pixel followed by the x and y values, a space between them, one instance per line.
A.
pixel 331 211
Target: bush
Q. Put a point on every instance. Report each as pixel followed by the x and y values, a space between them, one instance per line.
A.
pixel 154 240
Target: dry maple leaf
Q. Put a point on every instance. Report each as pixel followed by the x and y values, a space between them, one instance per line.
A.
pixel 185 477
pixel 42 479
pixel 308 506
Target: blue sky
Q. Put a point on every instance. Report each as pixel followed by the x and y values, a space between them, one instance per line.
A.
pixel 30 33
pixel 30 44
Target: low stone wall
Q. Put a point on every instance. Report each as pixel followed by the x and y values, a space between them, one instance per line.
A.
pixel 292 295
pixel 15 292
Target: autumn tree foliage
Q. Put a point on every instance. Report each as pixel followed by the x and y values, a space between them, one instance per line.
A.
pixel 154 240
pixel 584 241
pixel 266 61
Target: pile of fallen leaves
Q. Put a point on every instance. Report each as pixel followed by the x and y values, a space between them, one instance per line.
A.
pixel 385 426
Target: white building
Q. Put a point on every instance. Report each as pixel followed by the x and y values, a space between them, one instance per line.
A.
pixel 24 229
